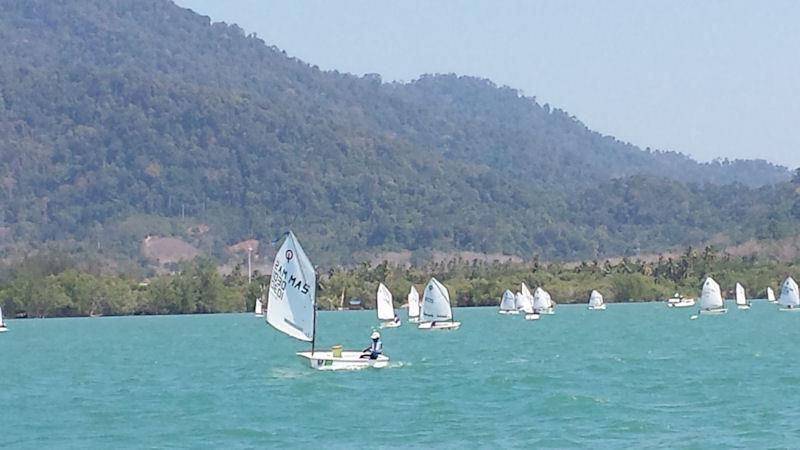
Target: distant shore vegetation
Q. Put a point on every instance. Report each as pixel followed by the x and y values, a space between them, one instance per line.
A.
pixel 55 286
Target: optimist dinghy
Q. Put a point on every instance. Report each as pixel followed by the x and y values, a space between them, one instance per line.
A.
pixel 3 326
pixel 259 309
pixel 789 299
pixel 386 308
pixel 542 302
pixel 596 302
pixel 291 309
pixel 771 295
pixel 526 304
pixel 413 305
pixel 741 299
pixel 508 303
pixel 711 299
pixel 436 311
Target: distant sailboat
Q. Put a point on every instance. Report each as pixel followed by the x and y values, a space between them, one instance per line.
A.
pixel 436 311
pixel 3 326
pixel 596 302
pixel 741 299
pixel 292 309
pixel 542 303
pixel 508 303
pixel 711 299
pixel 386 308
pixel 771 295
pixel 790 298
pixel 526 304
pixel 259 309
pixel 413 305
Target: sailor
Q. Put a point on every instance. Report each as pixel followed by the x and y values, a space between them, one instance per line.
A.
pixel 396 319
pixel 375 349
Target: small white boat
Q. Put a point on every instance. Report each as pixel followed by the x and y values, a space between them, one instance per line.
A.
pixel 596 302
pixel 292 309
pixel 436 311
pixel 259 309
pixel 678 301
pixel 525 304
pixel 385 308
pixel 790 298
pixel 711 299
pixel 508 303
pixel 542 302
pixel 771 295
pixel 741 298
pixel 413 305
pixel 3 327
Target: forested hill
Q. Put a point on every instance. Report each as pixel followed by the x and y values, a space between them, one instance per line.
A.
pixel 120 118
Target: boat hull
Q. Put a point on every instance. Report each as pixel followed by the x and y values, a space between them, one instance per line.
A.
pixel 713 312
pixel 686 303
pixel 390 324
pixel 413 320
pixel 789 309
pixel 532 316
pixel 597 308
pixel 348 361
pixel 258 315
pixel 439 326
pixel 508 312
pixel 546 312
pixel 3 329
pixel 745 307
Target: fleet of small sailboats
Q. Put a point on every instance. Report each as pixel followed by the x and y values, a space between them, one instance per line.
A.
pixel 596 302
pixel 292 309
pixel 413 305
pixel 385 308
pixel 711 299
pixel 436 311
pixel 790 297
pixel 508 303
pixel 741 298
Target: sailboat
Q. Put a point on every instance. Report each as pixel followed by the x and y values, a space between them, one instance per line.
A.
pixel 711 299
pixel 3 326
pixel 741 299
pixel 771 295
pixel 596 302
pixel 542 303
pixel 526 305
pixel 259 309
pixel 386 308
pixel 508 303
pixel 436 311
pixel 413 305
pixel 291 309
pixel 789 299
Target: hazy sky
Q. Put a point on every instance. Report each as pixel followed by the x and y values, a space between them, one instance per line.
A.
pixel 707 78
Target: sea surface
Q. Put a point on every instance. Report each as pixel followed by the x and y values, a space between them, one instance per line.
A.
pixel 636 375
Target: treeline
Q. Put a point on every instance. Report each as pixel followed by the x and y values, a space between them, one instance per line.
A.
pixel 53 286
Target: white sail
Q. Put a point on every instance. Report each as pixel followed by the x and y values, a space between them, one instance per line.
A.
pixel 741 299
pixel 525 302
pixel 413 303
pixel 385 306
pixel 518 301
pixel 1 316
pixel 259 309
pixel 508 302
pixel 541 299
pixel 711 297
pixel 436 302
pixel 595 299
pixel 292 291
pixel 770 294
pixel 789 294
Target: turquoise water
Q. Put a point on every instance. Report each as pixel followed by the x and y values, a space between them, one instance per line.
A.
pixel 636 375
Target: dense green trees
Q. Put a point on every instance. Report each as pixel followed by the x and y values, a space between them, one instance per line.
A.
pixel 120 118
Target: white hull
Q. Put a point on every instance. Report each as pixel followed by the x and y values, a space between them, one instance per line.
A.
pixel 390 324
pixel 713 312
pixel 3 329
pixel 531 317
pixel 597 308
pixel 743 306
pixel 258 315
pixel 439 326
pixel 508 312
pixel 685 303
pixel 789 309
pixel 772 301
pixel 546 312
pixel 348 361
pixel 413 319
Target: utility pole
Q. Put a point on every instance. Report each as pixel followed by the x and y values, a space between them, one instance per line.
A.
pixel 249 265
